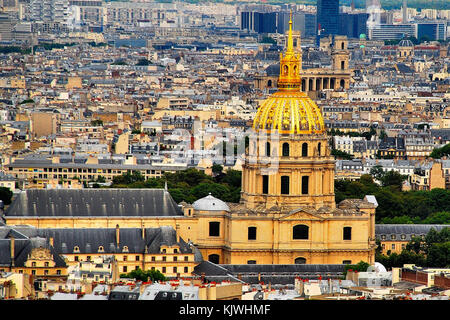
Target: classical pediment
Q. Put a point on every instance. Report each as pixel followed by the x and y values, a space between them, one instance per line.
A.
pixel 302 214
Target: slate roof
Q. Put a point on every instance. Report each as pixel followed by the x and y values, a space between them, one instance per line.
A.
pixel 88 240
pixel 407 230
pixel 268 273
pixel 22 248
pixel 93 203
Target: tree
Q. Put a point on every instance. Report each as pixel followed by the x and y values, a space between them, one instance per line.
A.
pixel 140 275
pixel 203 189
pixel 232 178
pixel 377 172
pixel 143 62
pixel 393 178
pixel 438 255
pixel 101 179
pixel 438 153
pixel 128 178
pixel 383 134
pixel 360 267
pixel 415 245
pixel 338 154
pixel 97 123
pixel 268 40
pixel 217 168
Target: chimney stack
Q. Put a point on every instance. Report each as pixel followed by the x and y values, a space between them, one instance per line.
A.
pixel 51 241
pixel 12 242
pixel 117 235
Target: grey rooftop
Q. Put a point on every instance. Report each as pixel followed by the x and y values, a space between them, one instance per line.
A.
pixel 93 203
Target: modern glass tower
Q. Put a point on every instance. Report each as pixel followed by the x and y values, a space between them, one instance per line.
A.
pixel 328 17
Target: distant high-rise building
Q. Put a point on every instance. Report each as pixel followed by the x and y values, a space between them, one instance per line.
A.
pixel 353 25
pixel 6 4
pixel 7 23
pixel 260 22
pixel 431 31
pixel 328 17
pixel 392 31
pixel 54 11
pixel 404 12
pixel 303 22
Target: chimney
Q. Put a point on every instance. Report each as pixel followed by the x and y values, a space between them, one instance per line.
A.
pixel 12 241
pixel 117 235
pixel 51 241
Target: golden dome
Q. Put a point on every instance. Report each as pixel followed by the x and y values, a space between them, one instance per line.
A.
pixel 289 111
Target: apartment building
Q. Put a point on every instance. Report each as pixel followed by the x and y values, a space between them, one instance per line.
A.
pixel 42 170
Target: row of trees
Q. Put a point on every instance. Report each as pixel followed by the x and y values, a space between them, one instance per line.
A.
pixel 188 185
pixel 144 276
pixel 438 153
pixel 395 205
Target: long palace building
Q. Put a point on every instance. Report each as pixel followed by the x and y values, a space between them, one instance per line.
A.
pixel 287 213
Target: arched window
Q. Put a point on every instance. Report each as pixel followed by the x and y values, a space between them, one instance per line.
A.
pixel 342 65
pixel 300 232
pixel 284 184
pixel 76 249
pixel 342 45
pixel 269 83
pixel 285 149
pixel 214 258
pixel 300 260
pixel 319 147
pixel 101 249
pixel 268 149
pixel 304 149
pixel 286 70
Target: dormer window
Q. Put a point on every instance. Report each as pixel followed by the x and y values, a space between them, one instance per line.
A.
pixel 125 249
pixel 76 249
pixel 101 249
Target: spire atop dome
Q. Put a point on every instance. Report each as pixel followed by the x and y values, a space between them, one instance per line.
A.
pixel 289 79
pixel 290 44
pixel 289 110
